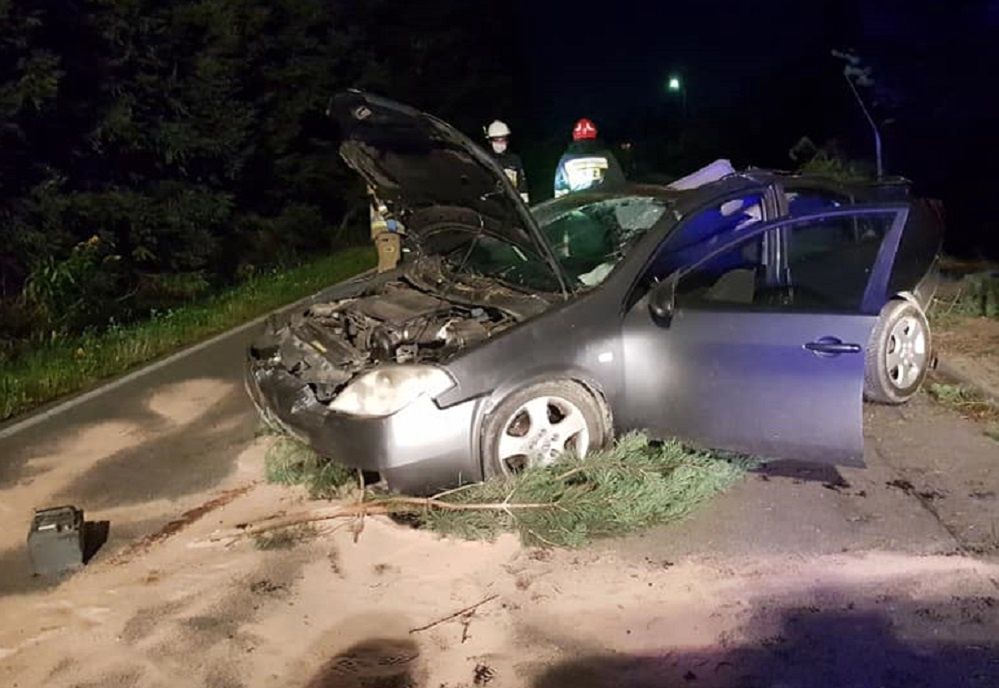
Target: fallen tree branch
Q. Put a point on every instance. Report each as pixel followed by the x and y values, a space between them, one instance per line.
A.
pixel 570 473
pixel 621 488
pixel 445 493
pixel 376 507
pixel 458 613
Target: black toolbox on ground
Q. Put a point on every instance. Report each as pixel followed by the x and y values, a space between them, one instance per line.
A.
pixel 55 541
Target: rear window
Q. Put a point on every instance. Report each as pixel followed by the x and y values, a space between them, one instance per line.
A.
pixel 811 202
pixel 714 223
pixel 830 259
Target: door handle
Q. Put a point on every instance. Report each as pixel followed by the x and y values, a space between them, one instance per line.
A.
pixel 831 346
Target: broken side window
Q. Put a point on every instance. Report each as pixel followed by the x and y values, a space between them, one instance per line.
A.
pixel 715 223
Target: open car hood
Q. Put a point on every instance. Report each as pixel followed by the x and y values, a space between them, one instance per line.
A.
pixel 423 169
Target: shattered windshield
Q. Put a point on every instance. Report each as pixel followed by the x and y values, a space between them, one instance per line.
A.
pixel 489 256
pixel 588 239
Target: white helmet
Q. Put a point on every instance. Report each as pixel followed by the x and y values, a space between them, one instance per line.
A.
pixel 497 130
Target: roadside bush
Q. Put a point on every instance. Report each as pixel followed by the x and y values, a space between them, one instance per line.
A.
pixel 979 295
pixel 80 290
pixel 195 138
pixel 46 367
pixel 167 290
pixel 828 161
pixel 270 241
pixel 19 323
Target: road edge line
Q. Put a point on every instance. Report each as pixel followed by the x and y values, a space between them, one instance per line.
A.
pixel 18 425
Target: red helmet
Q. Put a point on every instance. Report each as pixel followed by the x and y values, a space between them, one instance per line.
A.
pixel 584 129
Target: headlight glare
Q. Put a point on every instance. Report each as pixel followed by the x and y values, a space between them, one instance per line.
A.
pixel 386 390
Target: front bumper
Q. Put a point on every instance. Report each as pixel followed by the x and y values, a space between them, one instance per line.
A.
pixel 419 450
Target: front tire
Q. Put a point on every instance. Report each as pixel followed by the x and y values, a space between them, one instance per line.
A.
pixel 898 355
pixel 534 425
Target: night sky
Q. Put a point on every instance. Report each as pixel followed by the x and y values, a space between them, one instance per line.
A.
pixel 760 75
pixel 615 57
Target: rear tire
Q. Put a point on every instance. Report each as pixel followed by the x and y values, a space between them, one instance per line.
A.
pixel 898 355
pixel 532 426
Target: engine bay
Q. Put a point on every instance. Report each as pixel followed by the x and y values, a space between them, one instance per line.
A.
pixel 396 322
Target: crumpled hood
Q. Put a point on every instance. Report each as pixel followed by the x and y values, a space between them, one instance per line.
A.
pixel 419 165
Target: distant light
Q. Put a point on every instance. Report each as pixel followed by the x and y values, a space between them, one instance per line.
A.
pixel 674 83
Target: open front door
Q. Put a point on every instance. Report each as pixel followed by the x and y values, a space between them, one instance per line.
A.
pixel 761 360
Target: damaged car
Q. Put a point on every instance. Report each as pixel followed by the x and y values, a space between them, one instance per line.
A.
pixel 753 313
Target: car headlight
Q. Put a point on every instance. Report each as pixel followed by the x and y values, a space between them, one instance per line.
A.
pixel 385 390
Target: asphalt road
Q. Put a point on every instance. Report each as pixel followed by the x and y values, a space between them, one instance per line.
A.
pixel 136 453
pixel 931 486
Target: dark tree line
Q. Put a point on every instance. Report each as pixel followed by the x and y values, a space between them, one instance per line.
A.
pixel 154 149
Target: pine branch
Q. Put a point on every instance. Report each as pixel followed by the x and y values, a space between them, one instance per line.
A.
pixel 374 508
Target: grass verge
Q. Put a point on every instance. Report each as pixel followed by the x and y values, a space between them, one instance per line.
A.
pixel 632 485
pixel 969 403
pixel 977 296
pixel 66 365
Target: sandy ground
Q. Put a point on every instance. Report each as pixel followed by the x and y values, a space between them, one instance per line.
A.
pixel 971 345
pixel 325 610
pixel 128 470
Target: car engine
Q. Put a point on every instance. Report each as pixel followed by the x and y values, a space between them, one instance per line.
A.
pixel 331 342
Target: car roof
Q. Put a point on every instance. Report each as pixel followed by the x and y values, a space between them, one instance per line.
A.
pixel 887 188
pixel 685 201
pixel 894 188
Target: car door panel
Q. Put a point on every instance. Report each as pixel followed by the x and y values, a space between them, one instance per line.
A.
pixel 761 360
pixel 747 381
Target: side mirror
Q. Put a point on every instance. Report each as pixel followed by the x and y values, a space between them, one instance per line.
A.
pixel 662 301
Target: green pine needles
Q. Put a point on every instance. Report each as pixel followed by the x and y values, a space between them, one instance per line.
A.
pixel 631 485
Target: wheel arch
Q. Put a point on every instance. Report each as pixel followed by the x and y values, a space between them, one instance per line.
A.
pixel 907 296
pixel 574 374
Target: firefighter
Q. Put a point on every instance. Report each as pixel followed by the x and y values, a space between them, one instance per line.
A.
pixel 386 234
pixel 498 134
pixel 586 163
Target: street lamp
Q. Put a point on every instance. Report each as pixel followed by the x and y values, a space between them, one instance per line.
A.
pixel 857 75
pixel 674 85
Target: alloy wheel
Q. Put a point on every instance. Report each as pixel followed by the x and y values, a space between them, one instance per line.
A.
pixel 906 352
pixel 539 431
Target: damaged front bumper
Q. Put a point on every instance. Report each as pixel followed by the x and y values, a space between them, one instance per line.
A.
pixel 418 450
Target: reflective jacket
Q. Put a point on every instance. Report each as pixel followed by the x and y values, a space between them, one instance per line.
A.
pixel 584 165
pixel 381 221
pixel 514 170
